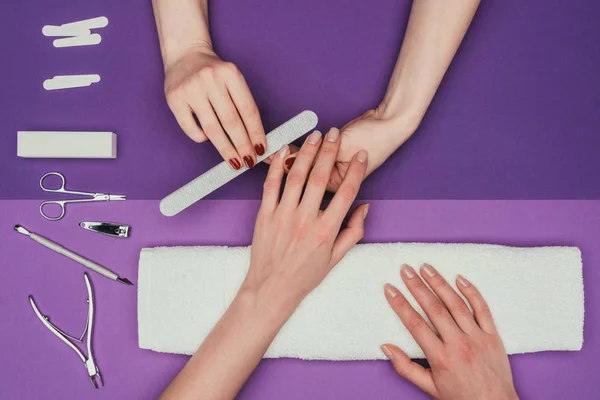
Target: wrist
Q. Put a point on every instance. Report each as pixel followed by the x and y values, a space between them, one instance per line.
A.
pixel 266 304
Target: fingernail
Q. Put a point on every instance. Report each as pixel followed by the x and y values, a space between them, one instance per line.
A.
pixel 463 281
pixel 314 137
pixel 429 270
pixel 390 290
pixel 289 162
pixel 249 161
pixel 407 271
pixel 259 149
pixel 235 163
pixel 283 151
pixel 366 210
pixel 388 353
pixel 333 134
pixel 362 156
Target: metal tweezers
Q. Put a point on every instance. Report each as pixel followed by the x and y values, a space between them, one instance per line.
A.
pixel 92 368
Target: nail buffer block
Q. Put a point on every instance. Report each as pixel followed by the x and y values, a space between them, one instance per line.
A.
pixel 219 175
pixel 42 144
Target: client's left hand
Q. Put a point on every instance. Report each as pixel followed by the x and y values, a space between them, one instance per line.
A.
pixel 295 245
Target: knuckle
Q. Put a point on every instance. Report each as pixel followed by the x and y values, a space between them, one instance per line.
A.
pixel 207 72
pixel 437 282
pixel 437 309
pixel 461 309
pixel 230 68
pixel 230 119
pixel 415 323
pixel 271 185
pixel 348 193
pixel 295 180
pixel 319 179
pixel 465 351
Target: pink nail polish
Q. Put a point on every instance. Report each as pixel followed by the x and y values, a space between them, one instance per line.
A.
pixel 429 270
pixel 388 353
pixel 314 137
pixel 390 290
pixel 462 281
pixel 407 271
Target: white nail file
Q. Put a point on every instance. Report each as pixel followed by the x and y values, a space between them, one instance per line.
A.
pixel 88 40
pixel 92 23
pixel 70 81
pixel 57 30
pixel 222 173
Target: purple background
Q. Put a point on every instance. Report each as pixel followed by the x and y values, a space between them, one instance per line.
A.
pixel 35 364
pixel 516 116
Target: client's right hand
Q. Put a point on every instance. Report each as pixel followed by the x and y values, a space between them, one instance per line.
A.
pixel 295 245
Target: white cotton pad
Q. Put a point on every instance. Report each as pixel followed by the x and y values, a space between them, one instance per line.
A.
pixel 87 40
pixel 54 30
pixel 70 81
pixel 92 23
pixel 47 144
pixel 535 295
pixel 222 173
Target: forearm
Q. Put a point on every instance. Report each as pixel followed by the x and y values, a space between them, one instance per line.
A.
pixel 230 353
pixel 435 30
pixel 181 25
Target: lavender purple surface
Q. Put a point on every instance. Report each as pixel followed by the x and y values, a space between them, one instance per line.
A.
pixel 515 117
pixel 35 364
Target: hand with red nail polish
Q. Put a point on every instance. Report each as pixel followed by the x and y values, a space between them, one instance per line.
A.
pixel 467 360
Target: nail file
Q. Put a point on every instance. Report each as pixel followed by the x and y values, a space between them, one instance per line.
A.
pixel 88 40
pixel 219 175
pixel 92 23
pixel 70 81
pixel 57 30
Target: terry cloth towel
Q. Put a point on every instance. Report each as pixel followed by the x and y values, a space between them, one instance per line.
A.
pixel 535 295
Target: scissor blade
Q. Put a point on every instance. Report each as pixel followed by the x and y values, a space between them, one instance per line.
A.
pixel 117 197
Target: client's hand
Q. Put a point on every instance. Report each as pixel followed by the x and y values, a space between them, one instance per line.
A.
pixel 202 86
pixel 467 359
pixel 295 244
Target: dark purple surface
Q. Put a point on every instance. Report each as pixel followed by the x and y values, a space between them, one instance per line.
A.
pixel 35 364
pixel 516 116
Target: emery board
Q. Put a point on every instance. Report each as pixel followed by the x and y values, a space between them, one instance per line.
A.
pixel 222 173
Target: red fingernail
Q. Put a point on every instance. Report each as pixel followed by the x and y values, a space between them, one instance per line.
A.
pixel 289 162
pixel 249 161
pixel 235 163
pixel 259 149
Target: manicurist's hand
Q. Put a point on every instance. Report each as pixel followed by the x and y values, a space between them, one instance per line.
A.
pixel 467 359
pixel 208 96
pixel 295 245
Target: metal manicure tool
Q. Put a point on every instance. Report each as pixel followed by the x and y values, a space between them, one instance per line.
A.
pixel 90 365
pixel 107 228
pixel 61 203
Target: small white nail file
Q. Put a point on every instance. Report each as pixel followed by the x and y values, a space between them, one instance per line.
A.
pixel 56 30
pixel 222 173
pixel 92 23
pixel 70 81
pixel 88 40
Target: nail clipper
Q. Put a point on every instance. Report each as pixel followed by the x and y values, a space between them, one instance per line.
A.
pixel 107 228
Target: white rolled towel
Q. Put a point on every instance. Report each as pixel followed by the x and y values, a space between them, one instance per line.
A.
pixel 535 295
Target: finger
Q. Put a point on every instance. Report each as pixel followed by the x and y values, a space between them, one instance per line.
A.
pixel 289 161
pixel 297 177
pixel 272 184
pixel 412 320
pixel 482 312
pixel 342 201
pixel 410 370
pixel 293 149
pixel 214 132
pixel 244 102
pixel 455 304
pixel 185 118
pixel 320 173
pixel 436 311
pixel 233 125
pixel 349 236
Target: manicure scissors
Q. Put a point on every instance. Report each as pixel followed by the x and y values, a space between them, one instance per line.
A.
pixel 62 189
pixel 90 365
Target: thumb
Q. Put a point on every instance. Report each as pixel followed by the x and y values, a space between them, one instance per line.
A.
pixel 410 370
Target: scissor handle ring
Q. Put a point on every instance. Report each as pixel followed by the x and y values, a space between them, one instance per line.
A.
pixel 61 187
pixel 62 210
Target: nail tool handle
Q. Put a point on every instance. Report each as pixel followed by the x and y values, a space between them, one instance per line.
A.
pixel 75 257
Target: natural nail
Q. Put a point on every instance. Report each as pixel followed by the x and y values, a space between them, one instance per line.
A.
pixel 283 151
pixel 429 270
pixel 407 271
pixel 333 135
pixel 366 210
pixel 235 163
pixel 249 161
pixel 390 290
pixel 388 353
pixel 462 281
pixel 290 162
pixel 314 137
pixel 362 156
pixel 259 149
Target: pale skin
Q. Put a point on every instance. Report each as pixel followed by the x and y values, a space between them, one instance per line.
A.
pixel 295 246
pixel 197 78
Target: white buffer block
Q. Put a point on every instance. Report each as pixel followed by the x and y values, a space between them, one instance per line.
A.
pixel 46 144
